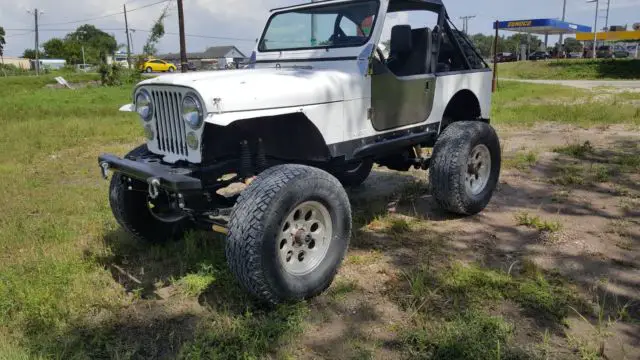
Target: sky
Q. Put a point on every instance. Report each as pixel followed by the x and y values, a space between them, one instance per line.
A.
pixel 240 22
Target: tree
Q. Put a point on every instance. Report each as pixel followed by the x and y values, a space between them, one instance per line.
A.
pixel 55 48
pixel 97 44
pixel 157 32
pixel 572 45
pixel 29 54
pixel 483 43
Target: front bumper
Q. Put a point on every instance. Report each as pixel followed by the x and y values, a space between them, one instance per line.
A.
pixel 153 172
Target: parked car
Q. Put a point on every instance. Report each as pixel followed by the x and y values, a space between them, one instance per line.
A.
pixel 611 52
pixel 507 57
pixel 575 55
pixel 539 55
pixel 156 65
pixel 292 136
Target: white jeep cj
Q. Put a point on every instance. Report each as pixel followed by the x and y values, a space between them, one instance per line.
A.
pixel 320 104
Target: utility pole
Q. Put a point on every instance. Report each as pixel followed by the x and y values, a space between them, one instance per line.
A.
pixel 606 23
pixel 465 23
pixel 564 17
pixel 595 28
pixel 126 29
pixel 35 14
pixel 183 43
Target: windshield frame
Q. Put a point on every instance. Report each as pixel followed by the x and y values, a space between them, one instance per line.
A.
pixel 260 45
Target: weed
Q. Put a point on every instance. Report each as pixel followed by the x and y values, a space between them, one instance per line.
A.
pixel 341 288
pixel 248 336
pixel 522 160
pixel 471 286
pixel 369 258
pixel 576 150
pixel 535 222
pixel 195 284
pixel 470 335
pixel 620 227
pixel 560 196
pixel 568 175
pixel 399 226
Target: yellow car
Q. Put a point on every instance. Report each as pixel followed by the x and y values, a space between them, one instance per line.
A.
pixel 155 65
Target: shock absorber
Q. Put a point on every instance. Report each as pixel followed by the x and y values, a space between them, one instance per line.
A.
pixel 246 168
pixel 261 157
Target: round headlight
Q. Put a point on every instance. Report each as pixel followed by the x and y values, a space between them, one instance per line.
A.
pixel 192 111
pixel 143 105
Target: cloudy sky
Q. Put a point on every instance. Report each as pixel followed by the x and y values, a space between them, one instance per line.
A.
pixel 239 22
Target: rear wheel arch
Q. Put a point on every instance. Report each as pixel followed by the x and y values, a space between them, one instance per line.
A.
pixel 463 106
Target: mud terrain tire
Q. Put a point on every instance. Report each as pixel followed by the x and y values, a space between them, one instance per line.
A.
pixel 465 167
pixel 262 233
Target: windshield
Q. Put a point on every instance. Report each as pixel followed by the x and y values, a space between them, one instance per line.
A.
pixel 329 26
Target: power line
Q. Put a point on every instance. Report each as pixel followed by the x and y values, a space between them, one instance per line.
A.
pixel 203 36
pixel 108 15
pixel 21 34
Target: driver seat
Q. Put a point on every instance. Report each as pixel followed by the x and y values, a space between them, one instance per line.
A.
pixel 408 53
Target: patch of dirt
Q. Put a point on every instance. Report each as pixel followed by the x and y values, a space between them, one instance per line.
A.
pixel 586 250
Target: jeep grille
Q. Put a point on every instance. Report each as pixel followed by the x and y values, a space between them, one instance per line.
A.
pixel 172 135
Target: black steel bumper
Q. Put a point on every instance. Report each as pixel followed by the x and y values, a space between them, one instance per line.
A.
pixel 151 172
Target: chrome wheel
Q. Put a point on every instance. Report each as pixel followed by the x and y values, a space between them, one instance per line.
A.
pixel 305 236
pixel 478 170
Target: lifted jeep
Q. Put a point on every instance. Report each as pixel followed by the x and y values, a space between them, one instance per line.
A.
pixel 320 104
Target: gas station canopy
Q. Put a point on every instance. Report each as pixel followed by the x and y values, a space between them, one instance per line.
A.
pixel 542 26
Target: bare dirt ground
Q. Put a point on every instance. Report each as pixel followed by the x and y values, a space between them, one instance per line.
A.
pixel 597 248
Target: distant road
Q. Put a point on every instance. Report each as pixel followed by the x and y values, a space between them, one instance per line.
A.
pixel 587 84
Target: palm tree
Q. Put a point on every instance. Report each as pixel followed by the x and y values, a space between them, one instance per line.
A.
pixel 2 42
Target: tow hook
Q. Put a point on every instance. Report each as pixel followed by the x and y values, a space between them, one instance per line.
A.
pixel 153 187
pixel 104 168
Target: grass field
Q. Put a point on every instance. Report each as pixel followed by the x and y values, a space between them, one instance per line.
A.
pixel 576 69
pixel 74 286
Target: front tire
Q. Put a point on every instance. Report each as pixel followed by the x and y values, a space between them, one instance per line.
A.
pixel 465 167
pixel 289 233
pixel 149 70
pixel 131 208
pixel 172 69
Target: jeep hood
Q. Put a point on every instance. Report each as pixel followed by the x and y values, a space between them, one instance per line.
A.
pixel 259 89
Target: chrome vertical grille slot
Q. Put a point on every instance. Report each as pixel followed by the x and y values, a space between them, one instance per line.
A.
pixel 171 134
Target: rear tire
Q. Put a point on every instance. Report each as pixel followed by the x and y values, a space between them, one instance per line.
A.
pixel 465 167
pixel 352 175
pixel 131 209
pixel 149 70
pixel 289 233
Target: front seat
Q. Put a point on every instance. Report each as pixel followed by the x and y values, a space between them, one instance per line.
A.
pixel 400 49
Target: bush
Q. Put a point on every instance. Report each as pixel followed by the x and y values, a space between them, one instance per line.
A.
pixel 116 75
pixel 110 75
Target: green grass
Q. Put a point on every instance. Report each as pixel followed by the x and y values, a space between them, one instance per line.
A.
pixel 587 69
pixel 523 160
pixel 522 104
pixel 470 335
pixel 576 150
pixel 463 329
pixel 535 222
